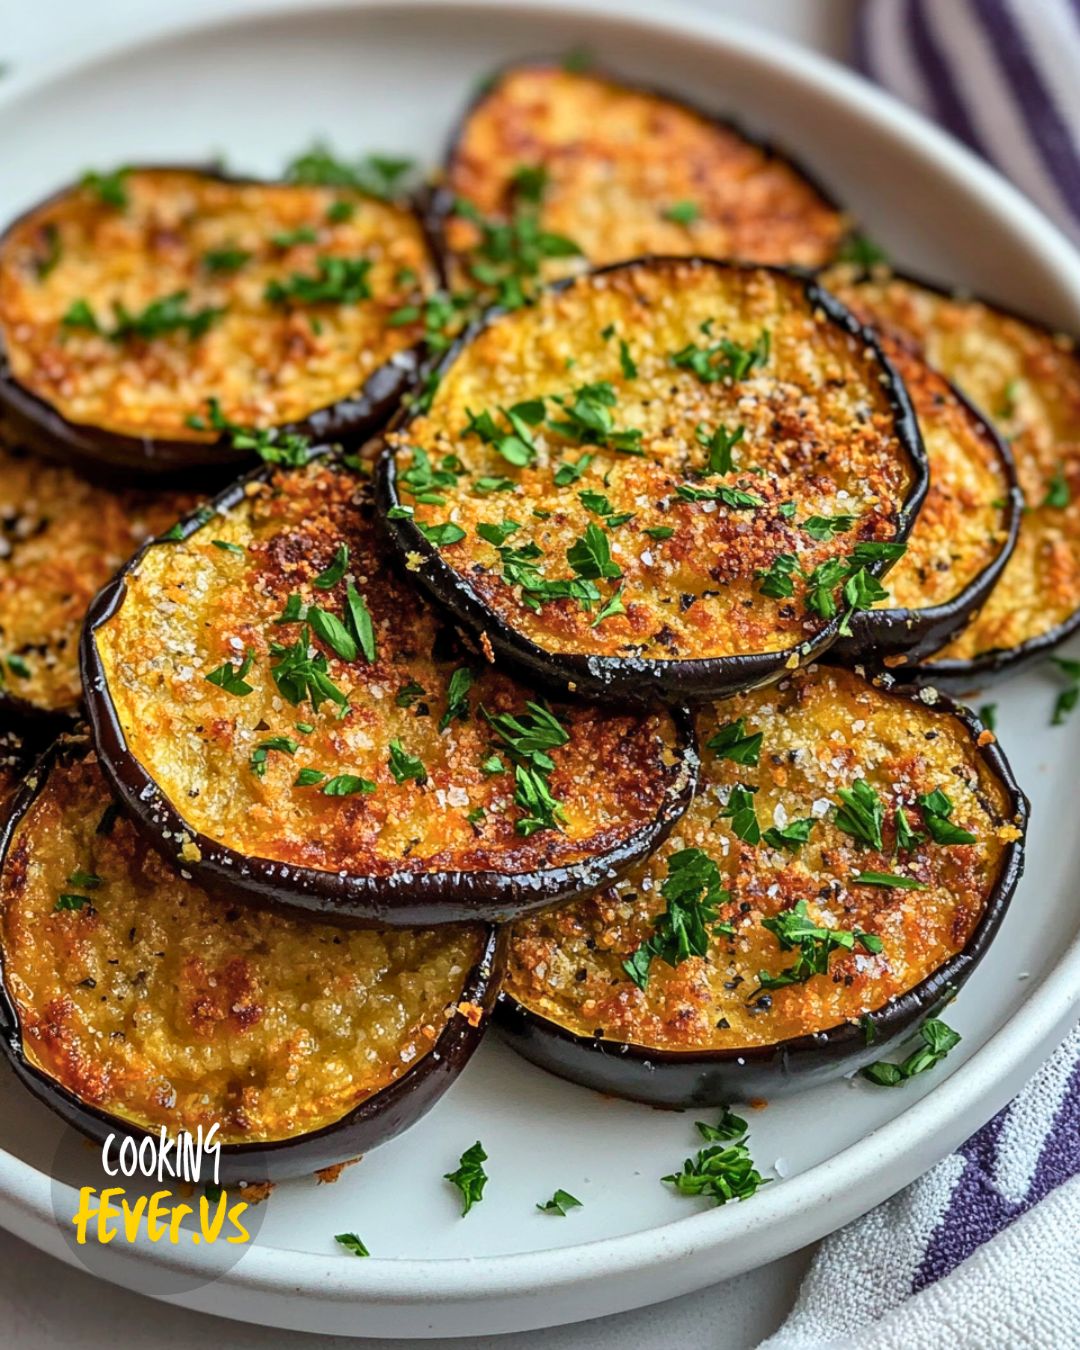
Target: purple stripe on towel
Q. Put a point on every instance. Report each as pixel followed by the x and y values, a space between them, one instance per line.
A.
pixel 1047 129
pixel 977 1210
pixel 938 77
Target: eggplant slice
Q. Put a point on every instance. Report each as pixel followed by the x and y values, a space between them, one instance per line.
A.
pixel 1025 378
pixel 761 999
pixel 963 538
pixel 137 324
pixel 62 538
pixel 550 168
pixel 291 721
pixel 134 1000
pixel 662 478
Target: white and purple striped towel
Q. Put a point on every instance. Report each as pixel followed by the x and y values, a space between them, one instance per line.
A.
pixel 983 1251
pixel 1002 75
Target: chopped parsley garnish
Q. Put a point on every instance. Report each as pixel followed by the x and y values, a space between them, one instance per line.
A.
pixel 331 575
pixel 497 535
pixel 570 471
pixel 692 890
pixel 827 527
pixel 109 188
pixel 168 314
pixel 337 281
pixel 457 697
pixel 377 175
pixel 470 1177
pixel 308 778
pixel 682 213
pixel 273 447
pixel 408 694
pixel 736 498
pixel 590 421
pixel 795 931
pixel 861 250
pixel 17 665
pixel 516 444
pixel 861 814
pixel 906 837
pixel 508 254
pixel 528 738
pixel 404 766
pixel 89 881
pixel 424 482
pixel 613 606
pixel 892 879
pixel 304 234
pixel 492 765
pixel 340 211
pixel 731 742
pixel 360 623
pixel 740 811
pixel 937 1040
pixel 729 1126
pixel 598 504
pixel 1068 698
pixel 80 315
pixel 352 1244
pixel 791 836
pixel 440 536
pixel 719 444
pixel 559 1203
pixel 988 716
pixel 590 556
pixel 223 260
pixel 231 678
pixel 69 900
pixel 723 360
pixel 47 261
pixel 659 531
pixel 346 785
pixel 226 547
pixel 626 362
pixel 775 580
pixel 724 1171
pixel 1057 493
pixel 937 807
pixel 520 569
pixel 330 630
pixel 299 676
pixel 257 760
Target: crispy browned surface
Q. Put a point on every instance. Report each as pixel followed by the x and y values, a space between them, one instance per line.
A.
pixel 266 363
pixel 1028 382
pixel 617 159
pixel 61 539
pixel 193 606
pixel 962 526
pixel 13 761
pixel 819 433
pixel 164 1006
pixel 822 730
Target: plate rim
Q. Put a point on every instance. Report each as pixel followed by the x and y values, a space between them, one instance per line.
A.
pixel 830 1193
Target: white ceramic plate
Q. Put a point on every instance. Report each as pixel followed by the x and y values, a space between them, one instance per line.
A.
pixel 391 77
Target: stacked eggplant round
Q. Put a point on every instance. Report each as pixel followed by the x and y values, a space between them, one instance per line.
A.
pixel 570 663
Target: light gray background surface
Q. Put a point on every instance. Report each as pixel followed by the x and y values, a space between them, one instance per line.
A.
pixel 46 1306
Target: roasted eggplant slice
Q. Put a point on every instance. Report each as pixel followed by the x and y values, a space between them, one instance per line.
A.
pixel 552 167
pixel 847 861
pixel 61 539
pixel 963 538
pixel 292 721
pixel 1026 380
pixel 144 313
pixel 670 478
pixel 134 1000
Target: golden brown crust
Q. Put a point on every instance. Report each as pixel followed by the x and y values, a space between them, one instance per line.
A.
pixel 818 438
pixel 1027 381
pixel 194 606
pixel 160 1005
pixel 267 363
pixel 963 523
pixel 822 729
pixel 61 539
pixel 618 160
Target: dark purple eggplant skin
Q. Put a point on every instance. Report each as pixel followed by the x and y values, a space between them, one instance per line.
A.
pixel 964 678
pixel 405 900
pixel 682 1079
pixel 632 679
pixel 437 205
pixel 382 1116
pixel 915 634
pixel 112 458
